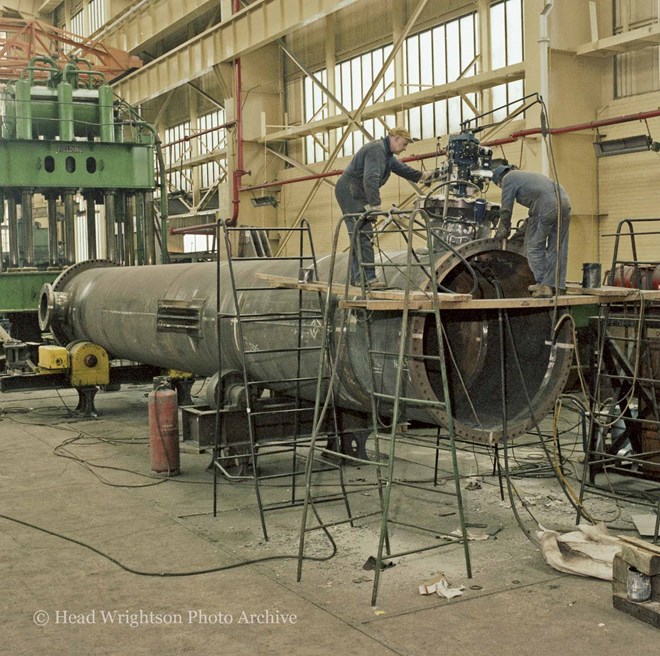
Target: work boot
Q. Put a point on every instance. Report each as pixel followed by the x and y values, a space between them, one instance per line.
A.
pixel 375 284
pixel 543 291
pixel 534 287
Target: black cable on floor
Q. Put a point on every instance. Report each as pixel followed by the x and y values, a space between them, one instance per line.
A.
pixel 199 572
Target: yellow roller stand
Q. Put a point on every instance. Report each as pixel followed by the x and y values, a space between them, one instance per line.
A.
pixel 89 364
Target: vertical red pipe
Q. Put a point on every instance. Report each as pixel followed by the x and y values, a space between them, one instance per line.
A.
pixel 238 170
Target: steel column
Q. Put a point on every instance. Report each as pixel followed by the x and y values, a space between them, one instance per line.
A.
pixel 53 255
pixel 110 248
pixel 139 228
pixel 13 232
pixel 129 230
pixel 149 236
pixel 28 233
pixel 90 208
pixel 69 226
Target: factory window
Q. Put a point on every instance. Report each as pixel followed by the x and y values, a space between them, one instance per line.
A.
pixel 4 235
pixel 506 48
pixel 434 57
pixel 437 56
pixel 177 151
pixel 315 108
pixel 211 139
pixel 81 240
pixel 78 23
pixel 197 243
pixel 353 78
pixel 96 14
pixel 636 72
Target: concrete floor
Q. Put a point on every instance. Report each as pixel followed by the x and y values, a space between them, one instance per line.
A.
pixel 61 598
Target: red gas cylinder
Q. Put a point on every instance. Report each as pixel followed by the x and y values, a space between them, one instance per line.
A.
pixel 632 277
pixel 164 431
pixel 656 278
pixel 618 276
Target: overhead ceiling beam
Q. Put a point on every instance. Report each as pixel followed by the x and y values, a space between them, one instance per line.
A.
pixel 257 25
pixel 149 20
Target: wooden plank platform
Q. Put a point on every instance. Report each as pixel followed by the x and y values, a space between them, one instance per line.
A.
pixel 338 289
pixel 393 299
pixel 502 303
pixel 606 290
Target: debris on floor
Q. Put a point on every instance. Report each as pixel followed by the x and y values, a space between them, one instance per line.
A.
pixel 370 564
pixel 471 535
pixel 440 586
pixel 588 551
pixel 645 524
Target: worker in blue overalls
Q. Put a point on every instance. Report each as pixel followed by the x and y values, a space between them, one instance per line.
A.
pixel 549 215
pixel 358 192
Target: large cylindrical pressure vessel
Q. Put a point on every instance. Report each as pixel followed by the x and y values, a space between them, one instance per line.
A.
pixel 165 315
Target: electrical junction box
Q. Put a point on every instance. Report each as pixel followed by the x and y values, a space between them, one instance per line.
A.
pixel 53 357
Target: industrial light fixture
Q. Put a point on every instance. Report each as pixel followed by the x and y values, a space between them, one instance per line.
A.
pixel 263 201
pixel 625 145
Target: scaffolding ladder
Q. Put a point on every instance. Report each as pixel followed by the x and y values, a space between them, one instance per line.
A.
pixel 623 436
pixel 282 415
pixel 396 398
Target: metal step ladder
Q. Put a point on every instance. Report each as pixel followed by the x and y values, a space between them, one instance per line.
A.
pixel 276 423
pixel 623 435
pixel 395 396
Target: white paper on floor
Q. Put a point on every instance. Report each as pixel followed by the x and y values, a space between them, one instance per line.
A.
pixel 440 586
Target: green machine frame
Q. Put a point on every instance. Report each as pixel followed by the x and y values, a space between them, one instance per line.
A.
pixel 65 139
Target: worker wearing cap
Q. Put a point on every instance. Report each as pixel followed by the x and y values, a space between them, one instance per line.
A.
pixel 358 191
pixel 549 208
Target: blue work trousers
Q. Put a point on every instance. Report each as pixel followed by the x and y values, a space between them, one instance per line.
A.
pixel 543 254
pixel 351 199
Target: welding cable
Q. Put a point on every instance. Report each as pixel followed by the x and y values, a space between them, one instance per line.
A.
pixel 62 452
pixel 507 474
pixel 560 473
pixel 576 505
pixel 547 138
pixel 138 572
pixel 14 410
pixel 447 245
pixel 624 402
